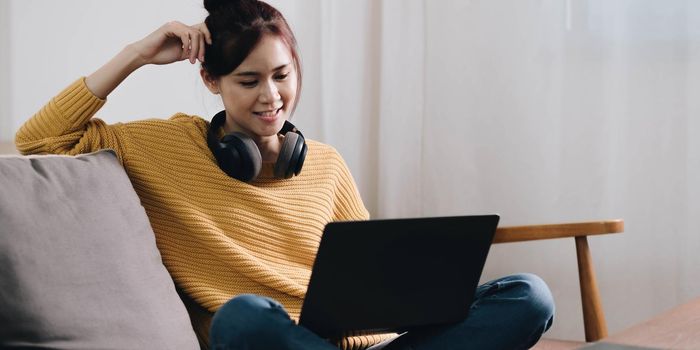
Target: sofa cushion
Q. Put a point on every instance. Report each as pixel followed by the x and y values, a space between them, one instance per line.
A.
pixel 79 267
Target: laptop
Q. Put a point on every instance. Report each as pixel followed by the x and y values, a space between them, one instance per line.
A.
pixel 394 275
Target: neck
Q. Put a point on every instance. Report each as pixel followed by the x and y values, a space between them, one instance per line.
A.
pixel 269 146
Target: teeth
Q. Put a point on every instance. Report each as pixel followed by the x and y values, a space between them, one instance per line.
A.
pixel 268 113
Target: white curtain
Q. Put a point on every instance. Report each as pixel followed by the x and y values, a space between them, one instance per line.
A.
pixel 542 111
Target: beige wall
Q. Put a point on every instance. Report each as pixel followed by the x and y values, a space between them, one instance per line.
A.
pixel 6 124
pixel 7 147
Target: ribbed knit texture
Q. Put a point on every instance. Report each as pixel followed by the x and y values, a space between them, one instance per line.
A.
pixel 218 237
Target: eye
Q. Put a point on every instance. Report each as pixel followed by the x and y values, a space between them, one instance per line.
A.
pixel 249 84
pixel 281 76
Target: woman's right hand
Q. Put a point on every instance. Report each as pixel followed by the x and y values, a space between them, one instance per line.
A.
pixel 173 42
pixel 170 43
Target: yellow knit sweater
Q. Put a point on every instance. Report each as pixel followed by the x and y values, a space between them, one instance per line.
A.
pixel 218 237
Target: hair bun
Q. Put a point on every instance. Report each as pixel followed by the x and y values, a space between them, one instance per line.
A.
pixel 213 6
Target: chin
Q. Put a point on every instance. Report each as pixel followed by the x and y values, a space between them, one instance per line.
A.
pixel 270 130
pixel 279 123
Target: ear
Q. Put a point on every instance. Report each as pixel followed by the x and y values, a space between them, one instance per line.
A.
pixel 211 83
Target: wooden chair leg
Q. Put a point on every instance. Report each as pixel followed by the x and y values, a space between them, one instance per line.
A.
pixel 593 316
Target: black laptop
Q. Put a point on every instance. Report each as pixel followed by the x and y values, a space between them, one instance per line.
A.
pixel 394 275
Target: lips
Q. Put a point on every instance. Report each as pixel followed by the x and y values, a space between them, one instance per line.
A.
pixel 268 116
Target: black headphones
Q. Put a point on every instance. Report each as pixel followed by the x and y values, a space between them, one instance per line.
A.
pixel 239 156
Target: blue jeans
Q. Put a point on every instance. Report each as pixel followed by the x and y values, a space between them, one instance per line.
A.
pixel 508 313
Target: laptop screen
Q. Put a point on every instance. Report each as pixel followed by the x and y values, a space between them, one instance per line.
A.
pixel 391 275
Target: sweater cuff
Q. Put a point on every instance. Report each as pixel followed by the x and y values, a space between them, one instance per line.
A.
pixel 78 103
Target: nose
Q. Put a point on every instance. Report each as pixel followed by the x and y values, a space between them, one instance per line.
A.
pixel 269 93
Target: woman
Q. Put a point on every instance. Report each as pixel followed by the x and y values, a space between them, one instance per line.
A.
pixel 237 230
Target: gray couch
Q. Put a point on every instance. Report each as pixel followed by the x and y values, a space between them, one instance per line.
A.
pixel 79 266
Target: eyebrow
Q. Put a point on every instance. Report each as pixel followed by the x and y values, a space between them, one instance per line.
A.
pixel 255 74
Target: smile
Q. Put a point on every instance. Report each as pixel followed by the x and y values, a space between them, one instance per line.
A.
pixel 268 114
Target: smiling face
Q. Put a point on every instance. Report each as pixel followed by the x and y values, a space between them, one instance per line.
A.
pixel 259 95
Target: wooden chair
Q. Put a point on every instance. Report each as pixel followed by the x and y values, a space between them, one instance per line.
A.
pixel 593 315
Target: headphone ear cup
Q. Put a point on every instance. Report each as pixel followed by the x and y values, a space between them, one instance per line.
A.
pixel 284 167
pixel 240 157
pixel 297 157
pixel 302 157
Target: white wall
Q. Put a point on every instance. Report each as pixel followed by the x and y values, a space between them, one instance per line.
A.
pixel 55 42
pixel 541 110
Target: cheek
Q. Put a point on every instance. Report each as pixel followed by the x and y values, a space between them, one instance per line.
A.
pixel 238 98
pixel 289 92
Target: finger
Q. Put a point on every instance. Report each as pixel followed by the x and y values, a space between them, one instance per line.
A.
pixel 194 46
pixel 186 42
pixel 207 35
pixel 202 47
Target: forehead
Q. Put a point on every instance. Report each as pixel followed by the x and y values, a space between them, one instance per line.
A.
pixel 271 52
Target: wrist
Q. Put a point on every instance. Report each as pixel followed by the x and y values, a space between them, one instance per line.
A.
pixel 104 80
pixel 133 58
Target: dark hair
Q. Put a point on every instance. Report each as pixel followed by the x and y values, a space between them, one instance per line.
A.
pixel 236 27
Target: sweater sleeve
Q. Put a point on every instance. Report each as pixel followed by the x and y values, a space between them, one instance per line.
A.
pixel 348 203
pixel 64 125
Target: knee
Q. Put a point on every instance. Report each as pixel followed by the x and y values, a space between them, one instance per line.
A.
pixel 246 318
pixel 537 299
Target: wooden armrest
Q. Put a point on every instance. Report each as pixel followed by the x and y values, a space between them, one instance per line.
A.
pixel 538 232
pixel 593 315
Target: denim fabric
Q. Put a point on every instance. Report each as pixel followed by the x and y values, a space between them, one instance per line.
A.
pixel 509 313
